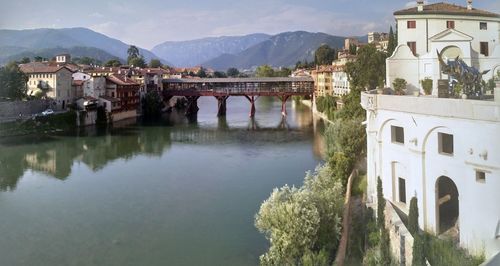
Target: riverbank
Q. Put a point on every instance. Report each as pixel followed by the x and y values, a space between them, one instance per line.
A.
pixel 315 112
pixel 39 125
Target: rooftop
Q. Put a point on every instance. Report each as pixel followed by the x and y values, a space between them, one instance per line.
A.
pixel 446 9
pixel 41 67
pixel 121 80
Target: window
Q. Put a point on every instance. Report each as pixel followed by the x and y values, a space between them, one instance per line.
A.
pixel 484 48
pixel 480 176
pixel 397 135
pixel 413 47
pixel 483 25
pixel 450 24
pixel 411 24
pixel 402 189
pixel 445 143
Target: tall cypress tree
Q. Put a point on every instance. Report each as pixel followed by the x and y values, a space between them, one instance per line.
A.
pixel 380 204
pixel 393 42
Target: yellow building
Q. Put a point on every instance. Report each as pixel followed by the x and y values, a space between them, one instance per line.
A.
pixel 52 80
pixel 323 80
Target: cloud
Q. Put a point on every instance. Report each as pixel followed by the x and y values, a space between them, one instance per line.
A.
pixel 96 15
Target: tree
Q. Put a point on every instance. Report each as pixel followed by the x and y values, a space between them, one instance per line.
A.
pixel 368 71
pixel 137 62
pixel 283 72
pixel 393 43
pixel 264 71
pixel 413 217
pixel 113 63
pixel 302 224
pixel 385 249
pixel 418 239
pixel 133 52
pixel 352 49
pixel 152 104
pixel 201 73
pixel 38 59
pixel 12 82
pixel 25 60
pixel 380 204
pixel 324 55
pixel 233 72
pixel 154 63
pixel 87 61
pixel 220 74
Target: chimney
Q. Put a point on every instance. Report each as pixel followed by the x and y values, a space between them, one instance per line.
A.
pixel 420 5
pixel 469 4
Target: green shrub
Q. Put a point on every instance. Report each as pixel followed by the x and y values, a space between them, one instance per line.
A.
pixel 413 217
pixel 399 85
pixel 427 85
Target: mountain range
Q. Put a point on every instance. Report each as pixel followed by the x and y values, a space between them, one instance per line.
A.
pixel 15 42
pixel 220 53
pixel 194 52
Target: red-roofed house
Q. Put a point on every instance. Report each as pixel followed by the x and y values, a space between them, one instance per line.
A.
pixel 53 81
pixel 127 90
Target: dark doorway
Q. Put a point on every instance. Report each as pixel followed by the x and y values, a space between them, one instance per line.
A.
pixel 446 204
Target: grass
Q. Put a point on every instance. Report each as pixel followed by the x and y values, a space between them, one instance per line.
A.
pixel 39 124
pixel 441 252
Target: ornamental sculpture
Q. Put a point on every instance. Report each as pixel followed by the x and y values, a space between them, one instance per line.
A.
pixel 469 79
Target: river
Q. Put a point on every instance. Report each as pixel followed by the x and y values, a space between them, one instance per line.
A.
pixel 169 192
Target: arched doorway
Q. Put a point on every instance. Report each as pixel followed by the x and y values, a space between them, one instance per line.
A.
pixel 447 208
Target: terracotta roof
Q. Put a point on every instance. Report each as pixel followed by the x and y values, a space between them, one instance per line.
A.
pixel 111 99
pixel 121 80
pixel 153 71
pixel 446 9
pixel 41 67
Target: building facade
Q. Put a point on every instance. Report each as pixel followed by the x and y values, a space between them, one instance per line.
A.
pixel 452 30
pixel 445 152
pixel 51 81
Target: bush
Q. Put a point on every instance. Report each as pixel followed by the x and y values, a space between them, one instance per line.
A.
pixel 302 224
pixel 443 253
pixel 427 85
pixel 399 85
pixel 413 217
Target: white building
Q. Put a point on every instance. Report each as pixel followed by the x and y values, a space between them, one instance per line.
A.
pixel 452 30
pixel 446 152
pixel 340 81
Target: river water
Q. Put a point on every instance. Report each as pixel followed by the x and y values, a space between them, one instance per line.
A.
pixel 170 192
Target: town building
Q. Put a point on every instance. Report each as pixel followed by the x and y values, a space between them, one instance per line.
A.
pixel 452 30
pixel 127 91
pixel 50 81
pixel 445 152
pixel 322 77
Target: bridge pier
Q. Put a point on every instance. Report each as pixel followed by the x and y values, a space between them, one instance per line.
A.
pixel 192 105
pixel 252 100
pixel 283 99
pixel 221 100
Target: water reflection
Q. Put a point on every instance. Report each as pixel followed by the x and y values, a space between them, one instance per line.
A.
pixel 54 156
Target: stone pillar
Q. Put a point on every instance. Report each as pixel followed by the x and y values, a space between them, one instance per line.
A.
pixel 496 94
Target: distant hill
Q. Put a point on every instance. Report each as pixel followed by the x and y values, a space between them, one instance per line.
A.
pixel 284 49
pixel 194 52
pixel 13 42
pixel 75 52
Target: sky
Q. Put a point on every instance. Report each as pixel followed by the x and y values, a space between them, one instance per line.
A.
pixel 147 23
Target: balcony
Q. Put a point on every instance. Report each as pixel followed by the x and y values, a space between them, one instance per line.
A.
pixel 431 105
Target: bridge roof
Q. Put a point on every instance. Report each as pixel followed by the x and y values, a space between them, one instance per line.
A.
pixel 240 80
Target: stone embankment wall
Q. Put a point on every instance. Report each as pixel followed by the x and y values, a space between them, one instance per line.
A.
pixel 401 239
pixel 13 110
